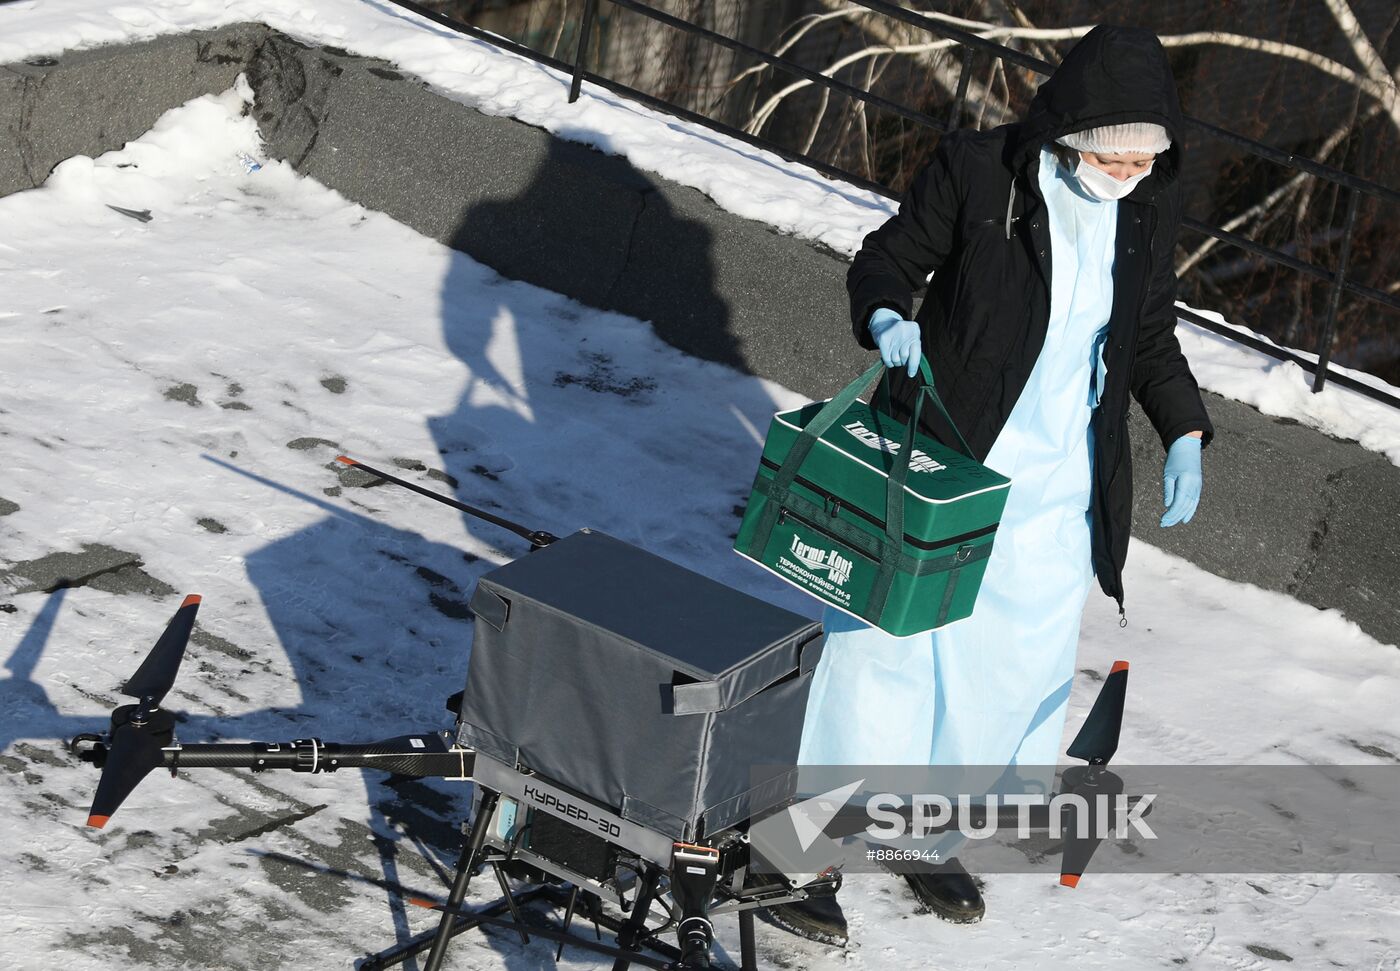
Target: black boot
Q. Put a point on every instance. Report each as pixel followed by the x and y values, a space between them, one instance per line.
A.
pixel 948 891
pixel 816 918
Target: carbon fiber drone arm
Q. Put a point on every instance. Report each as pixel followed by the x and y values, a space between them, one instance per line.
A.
pixel 413 755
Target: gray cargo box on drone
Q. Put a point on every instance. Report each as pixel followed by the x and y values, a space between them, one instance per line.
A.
pixel 637 683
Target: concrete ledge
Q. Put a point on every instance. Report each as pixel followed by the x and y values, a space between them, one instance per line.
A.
pixel 556 213
pixel 1286 508
pixel 92 101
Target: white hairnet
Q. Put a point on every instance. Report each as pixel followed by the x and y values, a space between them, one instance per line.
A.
pixel 1135 136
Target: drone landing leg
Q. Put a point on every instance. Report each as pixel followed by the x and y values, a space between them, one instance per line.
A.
pixel 400 953
pixel 632 934
pixel 568 921
pixel 484 811
pixel 748 957
pixel 510 902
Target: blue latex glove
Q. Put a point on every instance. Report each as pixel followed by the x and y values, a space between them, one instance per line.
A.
pixel 899 340
pixel 1181 480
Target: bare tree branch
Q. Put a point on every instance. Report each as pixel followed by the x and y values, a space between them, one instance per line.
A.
pixel 811 20
pixel 1301 180
pixel 1360 44
pixel 1044 51
pixel 897 36
pixel 1376 82
pixel 1386 83
pixel 817 117
pixel 761 116
pixel 1380 90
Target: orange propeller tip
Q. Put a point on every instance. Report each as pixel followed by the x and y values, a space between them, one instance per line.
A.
pixel 191 601
pixel 97 822
pixel 346 460
pixel 1118 666
pixel 1070 880
pixel 422 902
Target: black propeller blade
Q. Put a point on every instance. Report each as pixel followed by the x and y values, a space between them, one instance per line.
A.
pixel 1098 738
pixel 134 751
pixel 140 731
pixel 1096 744
pixel 156 675
pixel 1081 825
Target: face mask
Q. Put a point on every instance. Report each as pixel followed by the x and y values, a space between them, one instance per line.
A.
pixel 1104 187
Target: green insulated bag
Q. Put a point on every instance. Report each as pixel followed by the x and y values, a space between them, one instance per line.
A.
pixel 872 517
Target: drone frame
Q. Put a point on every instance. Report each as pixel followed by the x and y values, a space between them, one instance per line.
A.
pixel 714 878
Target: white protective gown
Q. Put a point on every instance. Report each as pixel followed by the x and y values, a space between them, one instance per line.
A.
pixel 992 689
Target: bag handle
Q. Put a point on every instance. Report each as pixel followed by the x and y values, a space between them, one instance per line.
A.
pixel 781 483
pixel 926 373
pixel 893 544
pixel 836 407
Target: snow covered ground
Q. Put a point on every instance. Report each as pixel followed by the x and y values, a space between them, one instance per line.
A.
pixel 176 389
pixel 742 179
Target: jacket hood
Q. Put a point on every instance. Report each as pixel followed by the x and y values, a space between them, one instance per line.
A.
pixel 1113 75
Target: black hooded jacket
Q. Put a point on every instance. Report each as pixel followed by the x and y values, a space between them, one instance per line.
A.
pixel 974 218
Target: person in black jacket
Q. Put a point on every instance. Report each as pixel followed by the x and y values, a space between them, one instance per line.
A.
pixel 1047 246
pixel 975 215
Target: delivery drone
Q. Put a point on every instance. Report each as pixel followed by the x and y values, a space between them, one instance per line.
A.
pixel 625 721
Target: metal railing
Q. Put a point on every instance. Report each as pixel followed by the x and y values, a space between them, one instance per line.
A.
pixel 1353 186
